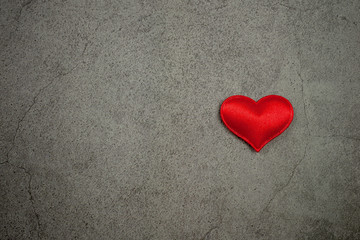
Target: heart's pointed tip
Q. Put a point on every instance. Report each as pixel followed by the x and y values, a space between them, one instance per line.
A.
pixel 256 148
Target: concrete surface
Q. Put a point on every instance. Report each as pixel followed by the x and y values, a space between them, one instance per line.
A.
pixel 110 124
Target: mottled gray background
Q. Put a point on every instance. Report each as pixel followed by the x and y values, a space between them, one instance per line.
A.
pixel 110 124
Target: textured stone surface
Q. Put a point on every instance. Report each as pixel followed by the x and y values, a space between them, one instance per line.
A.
pixel 110 124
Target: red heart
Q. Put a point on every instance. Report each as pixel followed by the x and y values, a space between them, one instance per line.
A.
pixel 257 122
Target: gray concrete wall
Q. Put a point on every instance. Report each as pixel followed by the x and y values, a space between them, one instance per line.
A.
pixel 110 125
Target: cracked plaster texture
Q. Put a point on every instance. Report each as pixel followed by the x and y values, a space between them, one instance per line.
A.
pixel 110 124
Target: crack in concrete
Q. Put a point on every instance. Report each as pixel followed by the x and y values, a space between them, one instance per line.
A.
pixel 288 7
pixel 288 181
pixel 300 9
pixel 42 90
pixel 304 101
pixel 7 232
pixel 302 82
pixel 337 136
pixel 343 18
pixel 31 197
pixel 33 202
pixel 305 116
pixel 17 20
pixel 207 234
pixel 292 174
pixel 24 5
pixel 34 101
pixel 88 40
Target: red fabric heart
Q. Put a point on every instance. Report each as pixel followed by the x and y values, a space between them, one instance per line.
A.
pixel 257 122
